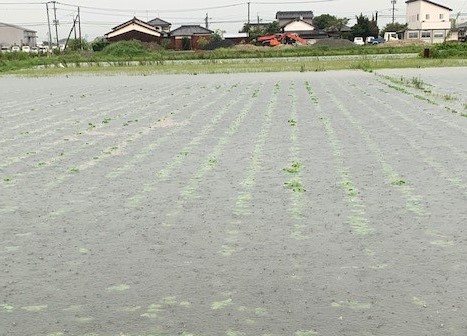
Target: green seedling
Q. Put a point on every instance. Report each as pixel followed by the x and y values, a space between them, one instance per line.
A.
pixel 74 170
pixel 7 180
pixel 398 182
pixel 292 122
pixel 294 168
pixel 106 120
pixel 295 185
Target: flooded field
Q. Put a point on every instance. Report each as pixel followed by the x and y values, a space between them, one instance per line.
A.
pixel 304 204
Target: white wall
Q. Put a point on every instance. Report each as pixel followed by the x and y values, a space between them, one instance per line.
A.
pixel 422 15
pixel 298 26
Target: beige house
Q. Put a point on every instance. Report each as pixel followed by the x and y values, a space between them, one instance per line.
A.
pixel 11 35
pixel 427 21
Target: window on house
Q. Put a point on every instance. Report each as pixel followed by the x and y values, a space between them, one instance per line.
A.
pixel 427 16
pixel 426 34
pixel 418 17
pixel 438 34
pixel 413 35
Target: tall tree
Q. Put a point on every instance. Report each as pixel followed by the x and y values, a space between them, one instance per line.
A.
pixel 365 27
pixel 328 22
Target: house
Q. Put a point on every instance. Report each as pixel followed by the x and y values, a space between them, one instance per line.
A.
pixel 134 29
pixel 286 17
pixel 427 21
pixel 304 29
pixel 15 35
pixel 187 37
pixel 161 25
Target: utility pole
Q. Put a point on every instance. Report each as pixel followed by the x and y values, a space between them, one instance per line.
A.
pixel 376 18
pixel 206 21
pixel 48 25
pixel 393 9
pixel 249 4
pixel 56 24
pixel 79 29
pixel 257 18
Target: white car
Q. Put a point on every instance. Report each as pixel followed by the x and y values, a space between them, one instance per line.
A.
pixel 26 49
pixel 5 49
pixel 34 50
pixel 358 41
pixel 15 48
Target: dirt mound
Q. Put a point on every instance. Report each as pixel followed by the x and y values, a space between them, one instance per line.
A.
pixel 402 43
pixel 333 43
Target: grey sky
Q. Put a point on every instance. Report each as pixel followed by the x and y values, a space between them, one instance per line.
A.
pixel 106 14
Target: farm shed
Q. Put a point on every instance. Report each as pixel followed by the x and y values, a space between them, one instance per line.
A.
pixel 134 29
pixel 187 37
pixel 15 35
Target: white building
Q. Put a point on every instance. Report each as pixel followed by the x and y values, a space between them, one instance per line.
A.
pixel 427 21
pixel 11 35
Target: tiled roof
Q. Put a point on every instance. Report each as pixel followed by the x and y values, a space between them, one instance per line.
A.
pixel 190 30
pixel 295 15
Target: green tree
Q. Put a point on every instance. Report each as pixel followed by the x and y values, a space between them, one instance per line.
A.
pixel 77 44
pixel 394 27
pixel 256 31
pixel 324 21
pixel 364 27
pixel 272 28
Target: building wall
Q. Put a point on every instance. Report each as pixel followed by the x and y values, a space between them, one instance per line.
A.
pixel 135 35
pixel 283 22
pixel 298 26
pixel 15 36
pixel 131 28
pixel 423 15
pixel 177 41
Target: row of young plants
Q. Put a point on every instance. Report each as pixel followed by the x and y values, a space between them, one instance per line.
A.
pixel 295 170
pixel 422 153
pixel 52 126
pixel 184 153
pixel 134 134
pixel 196 110
pixel 79 142
pixel 414 201
pixel 245 196
pixel 358 218
pixel 426 92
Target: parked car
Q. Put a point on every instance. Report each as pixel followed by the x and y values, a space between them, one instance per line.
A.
pixel 34 50
pixel 377 40
pixel 26 49
pixel 369 39
pixel 391 36
pixel 5 49
pixel 15 48
pixel 358 41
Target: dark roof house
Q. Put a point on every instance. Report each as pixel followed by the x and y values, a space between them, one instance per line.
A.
pixel 188 37
pixel 160 25
pixel 134 29
pixel 285 17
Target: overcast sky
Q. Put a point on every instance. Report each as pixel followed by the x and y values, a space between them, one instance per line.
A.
pixel 99 16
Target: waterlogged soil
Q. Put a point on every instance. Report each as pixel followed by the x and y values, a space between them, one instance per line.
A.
pixel 299 204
